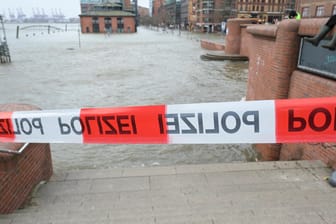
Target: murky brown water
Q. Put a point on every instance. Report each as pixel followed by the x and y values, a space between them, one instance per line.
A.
pixel 145 68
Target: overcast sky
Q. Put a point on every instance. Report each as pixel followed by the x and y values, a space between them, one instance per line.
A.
pixel 70 8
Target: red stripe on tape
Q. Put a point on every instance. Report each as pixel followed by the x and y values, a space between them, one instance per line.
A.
pixel 306 120
pixel 6 127
pixel 131 125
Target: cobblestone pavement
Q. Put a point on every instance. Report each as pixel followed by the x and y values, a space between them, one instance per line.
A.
pixel 263 192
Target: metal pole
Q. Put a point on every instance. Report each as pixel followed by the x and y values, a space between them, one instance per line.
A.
pixel 79 39
pixel 3 29
pixel 136 15
pixel 17 32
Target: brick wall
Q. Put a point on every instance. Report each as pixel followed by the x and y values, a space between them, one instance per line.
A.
pixel 86 24
pixel 102 25
pixel 305 85
pixel 19 174
pixel 129 23
pixel 273 52
pixel 233 38
pixel 260 64
pixel 245 42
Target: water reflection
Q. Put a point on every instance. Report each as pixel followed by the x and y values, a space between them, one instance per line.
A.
pixel 236 70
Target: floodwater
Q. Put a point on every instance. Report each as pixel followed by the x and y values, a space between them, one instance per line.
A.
pixel 65 70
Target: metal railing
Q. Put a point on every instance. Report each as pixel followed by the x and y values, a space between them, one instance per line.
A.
pixel 14 152
pixel 4 50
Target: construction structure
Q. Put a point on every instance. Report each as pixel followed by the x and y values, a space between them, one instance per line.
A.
pixel 39 15
pixel 4 50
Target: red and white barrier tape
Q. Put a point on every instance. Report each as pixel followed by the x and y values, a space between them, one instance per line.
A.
pixel 270 121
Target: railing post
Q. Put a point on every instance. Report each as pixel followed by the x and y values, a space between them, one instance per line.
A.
pixel 17 32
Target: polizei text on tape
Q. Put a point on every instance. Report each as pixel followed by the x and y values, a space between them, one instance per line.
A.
pixel 270 121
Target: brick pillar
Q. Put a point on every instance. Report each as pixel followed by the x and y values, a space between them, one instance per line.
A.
pixel 101 25
pixel 233 38
pixel 19 174
pixel 114 24
pixel 272 61
pixel 284 58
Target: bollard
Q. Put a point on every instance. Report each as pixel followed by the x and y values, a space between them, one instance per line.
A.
pixel 17 32
pixel 332 179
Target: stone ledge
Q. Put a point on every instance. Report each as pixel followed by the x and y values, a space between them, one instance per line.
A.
pixel 263 30
pixel 212 46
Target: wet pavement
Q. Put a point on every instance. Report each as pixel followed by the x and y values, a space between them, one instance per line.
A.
pixel 63 70
pixel 247 193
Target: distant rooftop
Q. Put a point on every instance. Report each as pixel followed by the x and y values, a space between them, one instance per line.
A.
pixel 107 13
pixel 99 1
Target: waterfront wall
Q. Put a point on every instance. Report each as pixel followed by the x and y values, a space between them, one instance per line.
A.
pixel 234 35
pixel 20 174
pixel 273 74
pixel 212 46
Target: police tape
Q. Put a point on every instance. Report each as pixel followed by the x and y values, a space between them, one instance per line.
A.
pixel 269 121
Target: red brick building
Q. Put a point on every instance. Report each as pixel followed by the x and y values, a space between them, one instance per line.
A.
pixel 264 10
pixel 211 13
pixel 143 11
pixel 317 8
pixel 157 4
pixel 108 17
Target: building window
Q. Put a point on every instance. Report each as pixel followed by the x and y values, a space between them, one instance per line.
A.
pixel 95 25
pixel 108 25
pixel 120 23
pixel 320 11
pixel 95 20
pixel 107 20
pixel 306 12
pixel 334 10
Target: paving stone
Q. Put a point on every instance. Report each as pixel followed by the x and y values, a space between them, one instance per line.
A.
pixel 265 192
pixel 5 220
pixel 120 184
pixel 152 171
pixel 96 174
pixel 177 181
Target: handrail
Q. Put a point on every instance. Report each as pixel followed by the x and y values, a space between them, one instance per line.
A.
pixel 41 26
pixel 13 151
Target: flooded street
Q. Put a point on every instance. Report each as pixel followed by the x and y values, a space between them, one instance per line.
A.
pixel 145 68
